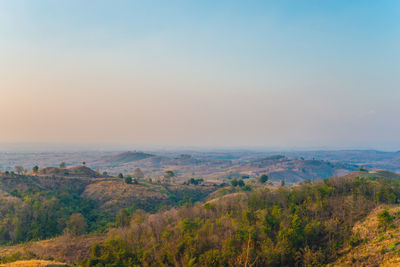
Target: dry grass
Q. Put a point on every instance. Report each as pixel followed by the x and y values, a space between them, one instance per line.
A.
pixel 65 248
pixel 378 247
pixel 115 193
pixel 32 263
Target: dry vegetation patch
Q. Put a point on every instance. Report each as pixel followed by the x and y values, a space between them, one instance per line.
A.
pixel 115 193
pixel 64 248
pixel 33 263
pixel 376 247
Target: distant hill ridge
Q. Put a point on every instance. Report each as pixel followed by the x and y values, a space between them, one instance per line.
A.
pixel 81 171
pixel 128 157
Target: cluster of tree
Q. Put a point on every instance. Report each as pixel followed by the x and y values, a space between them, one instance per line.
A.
pixel 304 225
pixel 236 182
pixel 41 208
pixel 129 180
pixel 40 215
pixel 385 219
pixel 194 181
pixel 241 184
pixel 137 174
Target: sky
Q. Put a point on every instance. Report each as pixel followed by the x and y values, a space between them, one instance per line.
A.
pixel 252 74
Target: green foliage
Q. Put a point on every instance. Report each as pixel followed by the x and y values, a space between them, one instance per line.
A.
pixel 385 220
pixel 194 181
pixel 128 180
pixel 305 225
pixel 263 178
pixel 41 215
pixel 120 176
pixel 246 188
pixel 15 257
pixel 114 252
pixel 236 182
pixel 35 169
pixel 355 239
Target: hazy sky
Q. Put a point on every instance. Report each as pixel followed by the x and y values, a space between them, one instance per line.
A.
pixel 280 74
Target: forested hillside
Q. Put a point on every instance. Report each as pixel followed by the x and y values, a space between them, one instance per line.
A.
pixel 35 207
pixel 306 225
pixel 310 224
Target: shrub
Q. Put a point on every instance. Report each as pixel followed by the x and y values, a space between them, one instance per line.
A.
pixel 128 180
pixel 385 220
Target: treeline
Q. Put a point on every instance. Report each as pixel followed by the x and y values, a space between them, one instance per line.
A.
pixel 304 225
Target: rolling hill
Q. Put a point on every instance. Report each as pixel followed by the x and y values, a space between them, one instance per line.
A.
pixel 41 206
pixel 334 222
pixel 127 157
pixel 278 167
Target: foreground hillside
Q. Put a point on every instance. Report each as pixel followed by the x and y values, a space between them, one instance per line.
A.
pixel 374 243
pixel 336 221
pixel 39 206
pixel 307 225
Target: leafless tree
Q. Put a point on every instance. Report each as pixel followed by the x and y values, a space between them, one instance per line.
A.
pixel 137 173
pixel 19 169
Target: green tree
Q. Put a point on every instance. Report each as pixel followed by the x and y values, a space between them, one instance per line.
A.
pixel 128 180
pixel 263 178
pixel 120 176
pixel 385 220
pixel 234 182
pixel 195 181
pixel 35 169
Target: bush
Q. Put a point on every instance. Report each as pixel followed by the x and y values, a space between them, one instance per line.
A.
pixel 246 188
pixel 355 239
pixel 128 180
pixel 263 178
pixel 385 220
